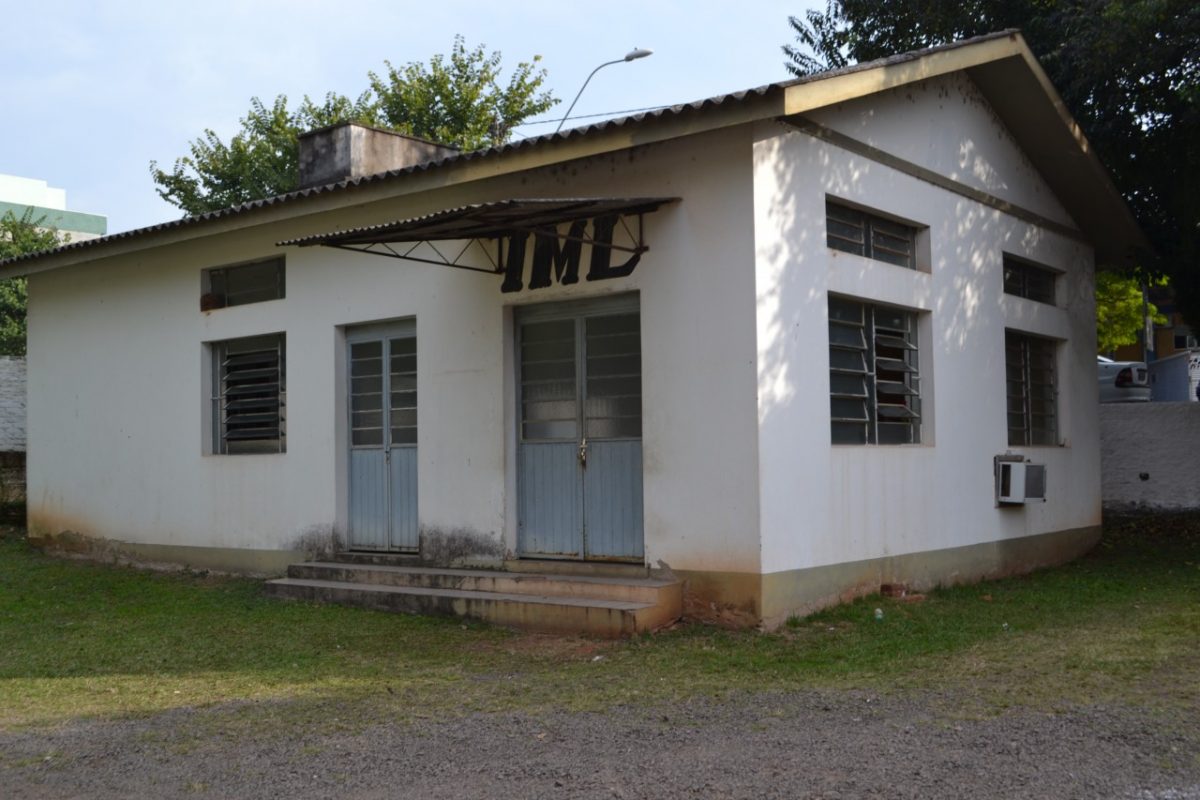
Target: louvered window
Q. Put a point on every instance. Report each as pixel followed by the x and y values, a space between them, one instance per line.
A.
pixel 249 405
pixel 874 376
pixel 853 231
pixel 1032 395
pixel 245 283
pixel 1027 280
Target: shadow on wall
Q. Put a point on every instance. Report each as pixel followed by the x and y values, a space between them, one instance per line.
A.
pixel 974 237
pixel 963 312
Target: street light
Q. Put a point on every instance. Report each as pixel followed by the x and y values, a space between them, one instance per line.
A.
pixel 632 55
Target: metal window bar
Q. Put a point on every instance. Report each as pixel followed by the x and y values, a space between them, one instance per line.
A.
pixel 549 380
pixel 246 283
pixel 249 400
pixel 366 394
pixel 612 376
pixel 874 375
pixel 402 390
pixel 863 234
pixel 1029 281
pixel 1032 396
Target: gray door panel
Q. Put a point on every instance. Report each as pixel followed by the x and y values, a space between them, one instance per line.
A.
pixel 612 487
pixel 404 532
pixel 551 500
pixel 579 462
pixel 382 396
pixel 368 499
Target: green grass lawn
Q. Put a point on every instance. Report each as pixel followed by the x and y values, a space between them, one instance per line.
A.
pixel 78 639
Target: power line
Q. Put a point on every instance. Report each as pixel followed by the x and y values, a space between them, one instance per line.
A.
pixel 590 116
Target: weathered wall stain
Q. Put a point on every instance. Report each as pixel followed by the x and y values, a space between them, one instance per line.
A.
pixel 319 542
pixel 63 535
pixel 456 546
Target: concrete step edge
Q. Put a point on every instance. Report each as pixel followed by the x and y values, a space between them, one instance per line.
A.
pixel 654 583
pixel 464 594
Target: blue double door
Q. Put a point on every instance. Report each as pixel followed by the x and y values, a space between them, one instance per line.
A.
pixel 579 456
pixel 382 399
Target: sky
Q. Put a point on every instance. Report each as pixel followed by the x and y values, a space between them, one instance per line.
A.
pixel 93 92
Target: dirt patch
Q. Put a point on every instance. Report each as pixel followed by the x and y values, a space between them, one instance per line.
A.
pixel 721 615
pixel 546 646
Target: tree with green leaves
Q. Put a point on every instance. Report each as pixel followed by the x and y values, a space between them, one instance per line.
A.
pixel 260 160
pixel 1128 70
pixel 460 101
pixel 1121 311
pixel 19 236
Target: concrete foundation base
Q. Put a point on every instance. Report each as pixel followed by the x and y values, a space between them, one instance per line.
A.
pixel 733 598
pixel 236 560
pixel 768 600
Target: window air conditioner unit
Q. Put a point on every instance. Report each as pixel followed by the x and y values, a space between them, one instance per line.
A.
pixel 1019 482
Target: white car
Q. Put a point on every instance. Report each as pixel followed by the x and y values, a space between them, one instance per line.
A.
pixel 1123 381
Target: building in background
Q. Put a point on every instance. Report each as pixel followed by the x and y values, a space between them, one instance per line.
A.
pixel 1174 355
pixel 46 206
pixel 49 206
pixel 12 430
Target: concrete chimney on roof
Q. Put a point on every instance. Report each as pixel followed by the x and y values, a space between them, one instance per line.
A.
pixel 350 150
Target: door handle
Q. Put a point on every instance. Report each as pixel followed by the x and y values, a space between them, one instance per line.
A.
pixel 583 452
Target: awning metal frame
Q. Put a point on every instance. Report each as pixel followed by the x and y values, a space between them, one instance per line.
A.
pixel 509 229
pixel 386 249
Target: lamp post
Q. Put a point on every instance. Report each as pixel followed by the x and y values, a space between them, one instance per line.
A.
pixel 632 55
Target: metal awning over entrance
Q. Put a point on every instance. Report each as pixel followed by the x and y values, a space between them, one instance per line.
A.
pixel 477 226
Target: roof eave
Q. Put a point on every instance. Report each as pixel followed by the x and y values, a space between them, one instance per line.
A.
pixel 766 103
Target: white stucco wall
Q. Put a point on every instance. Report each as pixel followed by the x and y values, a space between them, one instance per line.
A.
pixel 946 125
pixel 118 360
pixel 823 504
pixel 1150 455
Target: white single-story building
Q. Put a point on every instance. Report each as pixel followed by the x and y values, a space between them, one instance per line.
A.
pixel 769 343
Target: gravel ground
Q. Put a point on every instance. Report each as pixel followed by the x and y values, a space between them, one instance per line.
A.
pixel 804 745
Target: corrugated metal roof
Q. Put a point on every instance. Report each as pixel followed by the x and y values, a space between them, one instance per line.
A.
pixel 698 106
pixel 486 220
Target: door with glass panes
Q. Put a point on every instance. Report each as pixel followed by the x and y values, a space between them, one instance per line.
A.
pixel 579 458
pixel 382 400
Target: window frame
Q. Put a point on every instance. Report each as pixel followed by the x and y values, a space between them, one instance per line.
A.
pixel 255 352
pixel 1022 404
pixel 1026 275
pixel 395 387
pixel 874 226
pixel 215 290
pixel 881 346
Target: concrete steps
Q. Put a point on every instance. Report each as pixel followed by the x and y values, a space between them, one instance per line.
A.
pixel 595 605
